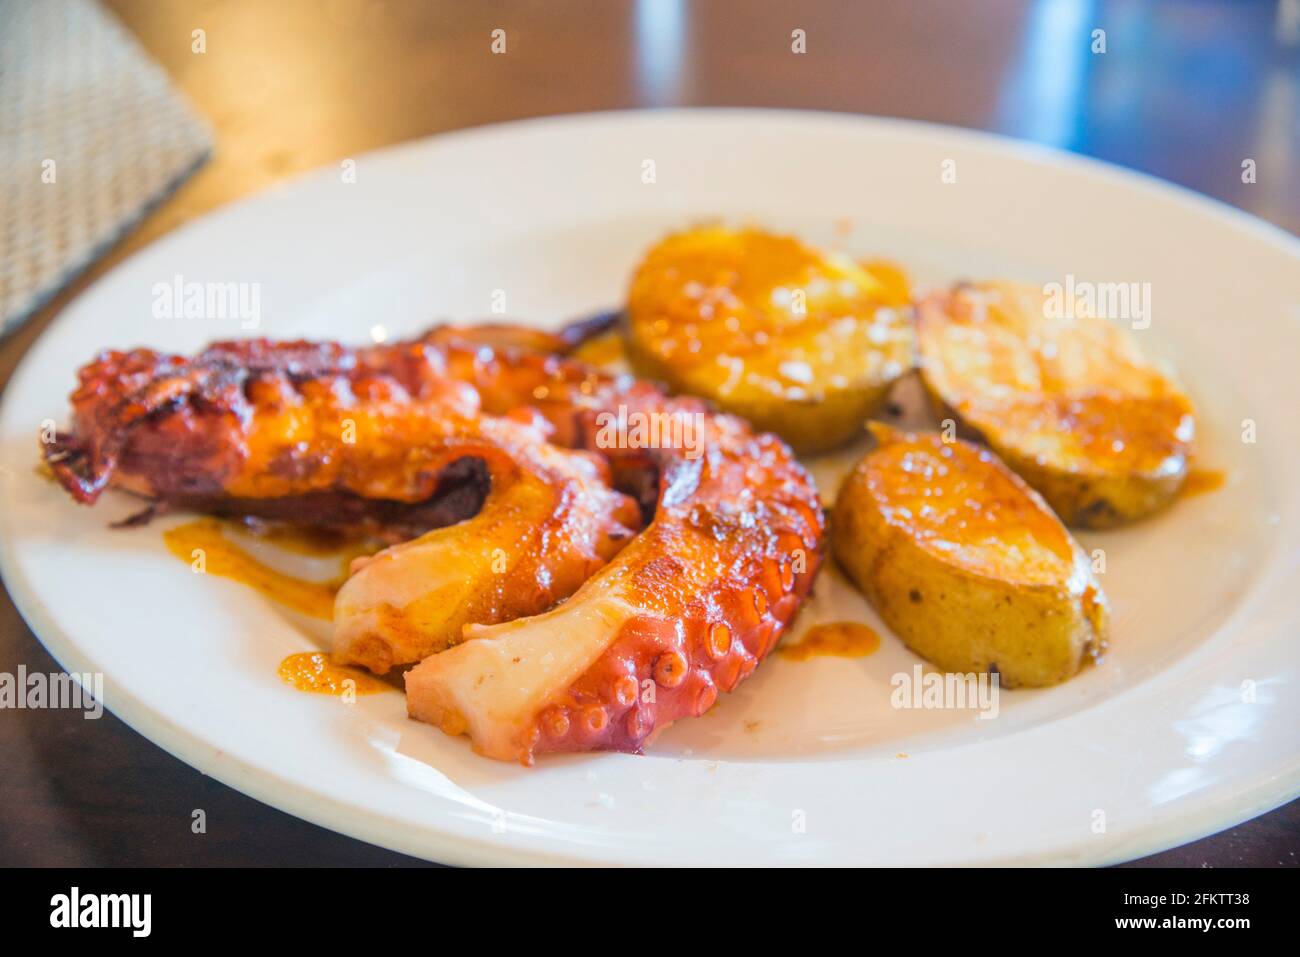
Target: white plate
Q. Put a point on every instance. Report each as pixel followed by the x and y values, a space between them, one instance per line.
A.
pixel 1189 726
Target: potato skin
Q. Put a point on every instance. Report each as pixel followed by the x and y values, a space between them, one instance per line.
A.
pixel 1094 499
pixel 1032 633
pixel 1063 421
pixel 711 313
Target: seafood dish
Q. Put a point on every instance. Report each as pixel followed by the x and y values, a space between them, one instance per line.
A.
pixel 566 556
pixel 596 633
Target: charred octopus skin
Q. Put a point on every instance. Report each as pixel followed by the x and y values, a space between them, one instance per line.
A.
pixel 544 620
pixel 372 438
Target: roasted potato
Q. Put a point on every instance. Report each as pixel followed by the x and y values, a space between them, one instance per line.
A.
pixel 965 562
pixel 800 342
pixel 1070 404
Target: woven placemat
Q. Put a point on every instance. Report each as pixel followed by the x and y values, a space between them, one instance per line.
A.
pixel 92 135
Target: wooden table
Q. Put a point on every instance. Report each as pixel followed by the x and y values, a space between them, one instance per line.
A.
pixel 1185 91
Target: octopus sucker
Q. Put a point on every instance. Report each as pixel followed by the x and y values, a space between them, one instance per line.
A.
pixel 560 591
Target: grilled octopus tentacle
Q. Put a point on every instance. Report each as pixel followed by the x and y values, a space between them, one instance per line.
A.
pixel 331 435
pixel 687 610
pixel 549 521
pixel 316 433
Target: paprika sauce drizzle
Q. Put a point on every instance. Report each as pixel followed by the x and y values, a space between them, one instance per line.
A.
pixel 1200 481
pixel 316 672
pixel 839 639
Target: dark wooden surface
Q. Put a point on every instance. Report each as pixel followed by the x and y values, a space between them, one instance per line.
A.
pixel 1185 90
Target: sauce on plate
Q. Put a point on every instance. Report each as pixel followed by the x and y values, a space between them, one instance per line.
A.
pixel 204 546
pixel 840 639
pixel 316 672
pixel 1200 481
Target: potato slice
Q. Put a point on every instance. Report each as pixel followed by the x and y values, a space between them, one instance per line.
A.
pixel 1069 403
pixel 965 562
pixel 800 342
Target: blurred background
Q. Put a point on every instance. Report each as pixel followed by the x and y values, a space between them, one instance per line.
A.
pixel 1187 90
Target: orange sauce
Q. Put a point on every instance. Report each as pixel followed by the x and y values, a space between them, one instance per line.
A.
pixel 960 495
pixel 1200 481
pixel 840 639
pixel 898 290
pixel 203 545
pixel 316 672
